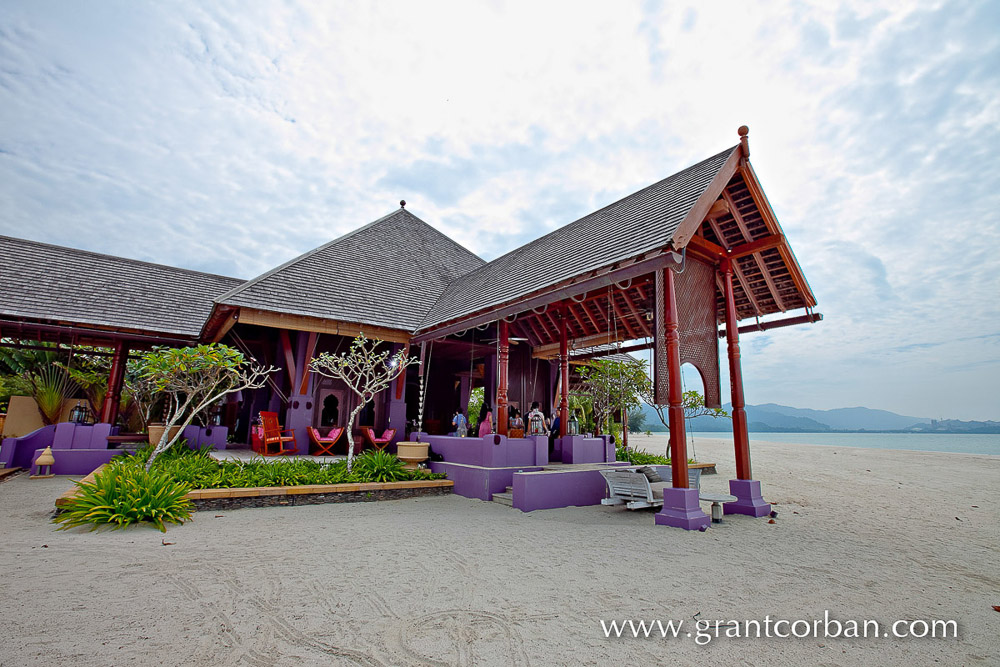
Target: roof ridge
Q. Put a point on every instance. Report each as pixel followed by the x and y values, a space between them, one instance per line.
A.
pixel 603 208
pixel 294 260
pixel 131 260
pixel 424 324
pixel 343 237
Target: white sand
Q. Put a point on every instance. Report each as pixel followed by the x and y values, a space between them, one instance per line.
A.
pixel 866 534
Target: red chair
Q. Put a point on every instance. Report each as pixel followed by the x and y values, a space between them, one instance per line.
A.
pixel 273 435
pixel 324 444
pixel 378 443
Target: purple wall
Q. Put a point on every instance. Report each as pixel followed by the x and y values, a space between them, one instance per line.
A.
pixel 76 461
pixel 476 481
pixel 491 451
pixel 551 489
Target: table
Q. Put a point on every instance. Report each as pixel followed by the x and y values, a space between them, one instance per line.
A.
pixel 716 499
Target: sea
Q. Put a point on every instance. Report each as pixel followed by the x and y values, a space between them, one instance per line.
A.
pixel 965 443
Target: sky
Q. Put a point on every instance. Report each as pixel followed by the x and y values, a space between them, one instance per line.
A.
pixel 229 137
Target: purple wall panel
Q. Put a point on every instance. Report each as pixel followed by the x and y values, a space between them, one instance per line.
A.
pixel 549 490
pixel 76 461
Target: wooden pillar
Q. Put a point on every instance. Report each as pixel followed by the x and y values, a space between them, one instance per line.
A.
pixel 675 393
pixel 563 374
pixel 502 359
pixel 741 438
pixel 116 378
pixel 625 428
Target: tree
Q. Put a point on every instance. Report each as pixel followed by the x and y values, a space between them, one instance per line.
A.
pixel 636 420
pixel 614 386
pixel 692 402
pixel 365 370
pixel 192 379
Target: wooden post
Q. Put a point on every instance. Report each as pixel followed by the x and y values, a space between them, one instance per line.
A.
pixel 502 358
pixel 741 438
pixel 675 393
pixel 116 378
pixel 563 374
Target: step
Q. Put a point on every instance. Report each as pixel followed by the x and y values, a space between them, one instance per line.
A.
pixel 510 489
pixel 504 499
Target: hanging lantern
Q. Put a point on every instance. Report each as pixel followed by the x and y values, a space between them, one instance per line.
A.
pixel 537 424
pixel 79 413
pixel 573 427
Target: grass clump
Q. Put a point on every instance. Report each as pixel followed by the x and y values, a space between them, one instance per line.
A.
pixel 642 458
pixel 122 495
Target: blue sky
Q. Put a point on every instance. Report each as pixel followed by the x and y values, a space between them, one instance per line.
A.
pixel 234 136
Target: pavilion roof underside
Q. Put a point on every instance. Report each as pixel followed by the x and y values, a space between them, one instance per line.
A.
pixel 766 280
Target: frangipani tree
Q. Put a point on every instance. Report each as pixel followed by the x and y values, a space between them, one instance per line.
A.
pixel 366 370
pixel 613 386
pixel 193 378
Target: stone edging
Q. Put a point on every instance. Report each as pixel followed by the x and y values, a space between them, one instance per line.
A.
pixel 305 494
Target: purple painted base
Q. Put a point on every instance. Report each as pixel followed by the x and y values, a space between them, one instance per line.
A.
pixel 681 510
pixel 748 498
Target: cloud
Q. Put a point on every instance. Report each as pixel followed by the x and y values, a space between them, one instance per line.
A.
pixel 231 137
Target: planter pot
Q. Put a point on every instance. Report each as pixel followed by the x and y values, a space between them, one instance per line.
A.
pixel 156 432
pixel 411 453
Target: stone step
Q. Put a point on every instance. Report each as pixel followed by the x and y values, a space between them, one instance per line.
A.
pixel 510 489
pixel 504 499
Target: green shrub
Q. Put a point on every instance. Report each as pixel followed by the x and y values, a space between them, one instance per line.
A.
pixel 379 466
pixel 642 458
pixel 123 494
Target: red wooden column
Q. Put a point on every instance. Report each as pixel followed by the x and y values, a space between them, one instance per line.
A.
pixel 116 378
pixel 740 436
pixel 563 374
pixel 502 360
pixel 675 392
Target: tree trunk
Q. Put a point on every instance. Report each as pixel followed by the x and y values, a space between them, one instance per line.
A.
pixel 350 434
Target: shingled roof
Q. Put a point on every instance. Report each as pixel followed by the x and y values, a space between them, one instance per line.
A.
pixel 47 283
pixel 640 222
pixel 388 273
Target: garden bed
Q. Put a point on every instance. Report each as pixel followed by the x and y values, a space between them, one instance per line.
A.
pixel 304 494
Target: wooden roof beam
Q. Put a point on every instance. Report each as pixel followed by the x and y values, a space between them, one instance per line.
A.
pixel 760 264
pixel 552 349
pixel 639 316
pixel 737 271
pixel 621 317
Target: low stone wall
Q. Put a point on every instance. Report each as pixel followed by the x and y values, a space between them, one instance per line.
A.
pixel 314 498
pixel 306 494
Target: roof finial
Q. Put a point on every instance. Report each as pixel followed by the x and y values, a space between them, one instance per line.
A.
pixel 743 131
pixel 402 203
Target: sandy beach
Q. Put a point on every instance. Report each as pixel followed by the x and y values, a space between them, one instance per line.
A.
pixel 864 534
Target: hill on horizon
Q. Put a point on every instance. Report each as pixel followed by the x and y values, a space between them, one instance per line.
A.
pixel 775 417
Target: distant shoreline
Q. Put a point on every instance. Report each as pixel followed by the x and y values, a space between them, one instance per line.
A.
pixel 986 444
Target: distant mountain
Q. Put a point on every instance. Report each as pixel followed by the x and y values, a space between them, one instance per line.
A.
pixel 847 419
pixel 774 418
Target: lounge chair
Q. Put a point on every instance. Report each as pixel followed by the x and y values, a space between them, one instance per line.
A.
pixel 378 443
pixel 634 490
pixel 274 435
pixel 324 444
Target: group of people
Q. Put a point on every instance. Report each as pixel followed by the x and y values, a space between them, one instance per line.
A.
pixel 537 424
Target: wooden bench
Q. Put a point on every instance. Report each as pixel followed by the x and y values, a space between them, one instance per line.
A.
pixel 635 491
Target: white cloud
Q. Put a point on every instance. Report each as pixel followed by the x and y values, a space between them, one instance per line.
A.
pixel 231 137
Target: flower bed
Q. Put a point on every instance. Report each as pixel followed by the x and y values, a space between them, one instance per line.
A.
pixel 121 493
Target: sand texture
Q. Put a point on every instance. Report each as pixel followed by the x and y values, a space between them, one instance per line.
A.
pixel 866 534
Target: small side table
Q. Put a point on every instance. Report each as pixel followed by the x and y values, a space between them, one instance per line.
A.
pixel 717 499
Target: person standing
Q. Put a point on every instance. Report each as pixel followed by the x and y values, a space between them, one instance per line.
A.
pixel 485 420
pixel 460 423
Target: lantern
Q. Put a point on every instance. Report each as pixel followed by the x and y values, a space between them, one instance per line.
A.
pixel 79 413
pixel 537 424
pixel 45 461
pixel 573 427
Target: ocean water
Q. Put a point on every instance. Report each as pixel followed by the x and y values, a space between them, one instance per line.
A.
pixel 973 443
